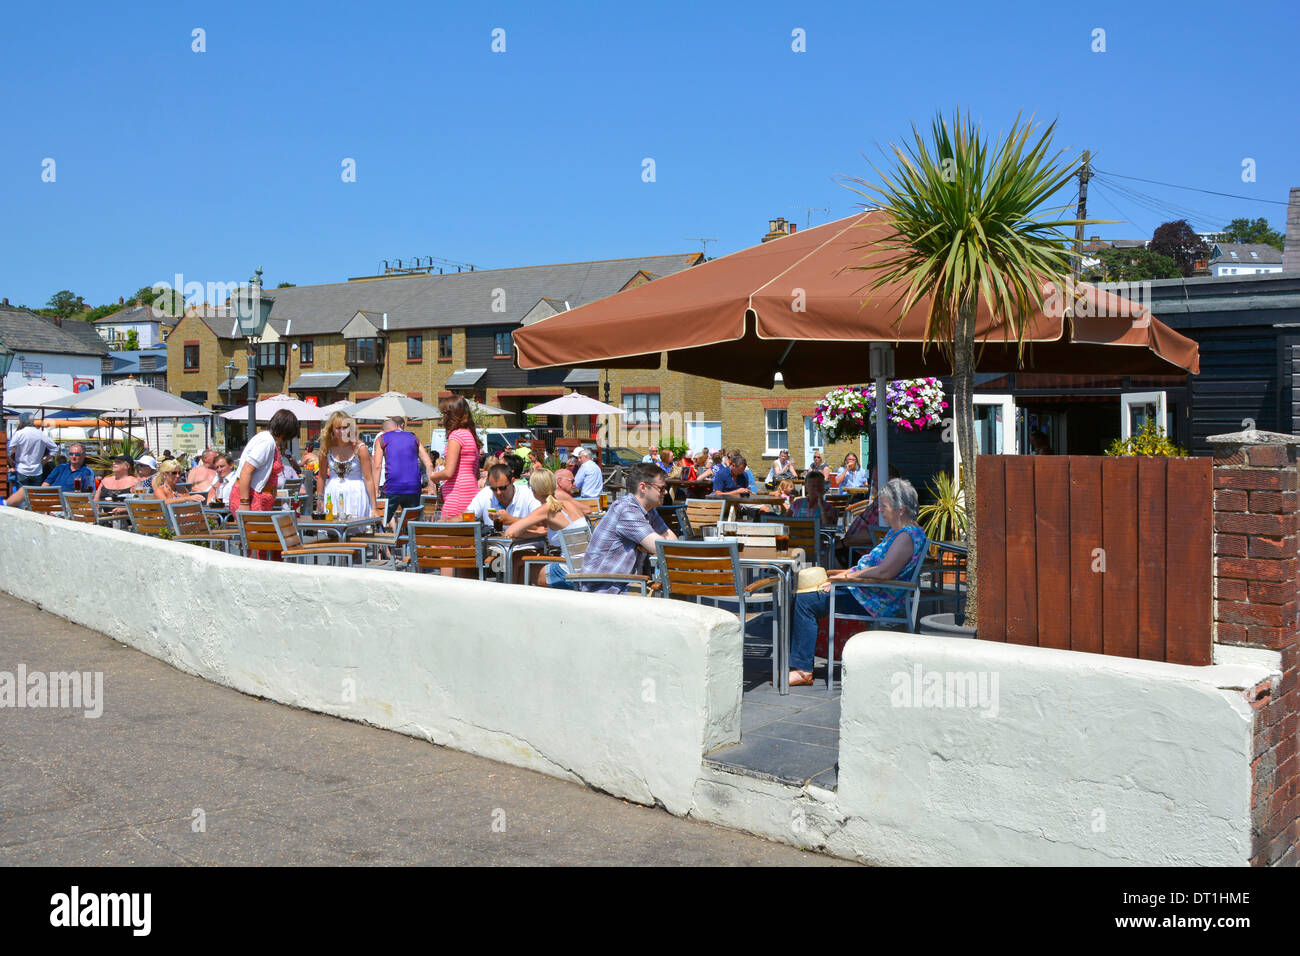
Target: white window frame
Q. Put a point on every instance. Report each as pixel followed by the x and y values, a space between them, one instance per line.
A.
pixel 769 431
pixel 633 417
pixel 814 439
pixel 1129 399
pixel 1008 403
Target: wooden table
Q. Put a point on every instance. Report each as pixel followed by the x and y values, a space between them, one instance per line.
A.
pixel 691 486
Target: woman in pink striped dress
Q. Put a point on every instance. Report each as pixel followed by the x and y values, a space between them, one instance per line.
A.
pixel 459 473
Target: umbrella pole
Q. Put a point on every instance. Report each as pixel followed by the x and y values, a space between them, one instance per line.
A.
pixel 882 367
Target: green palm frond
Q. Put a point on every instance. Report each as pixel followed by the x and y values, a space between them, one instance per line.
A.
pixel 964 225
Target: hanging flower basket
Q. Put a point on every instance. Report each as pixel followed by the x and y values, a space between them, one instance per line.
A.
pixel 913 404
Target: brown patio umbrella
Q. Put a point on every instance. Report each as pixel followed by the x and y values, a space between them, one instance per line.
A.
pixel 793 306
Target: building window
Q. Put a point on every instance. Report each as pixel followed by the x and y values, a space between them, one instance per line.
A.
pixel 272 354
pixel 414 348
pixel 191 356
pixel 362 352
pixel 641 408
pixel 444 345
pixel 503 343
pixel 777 429
pixel 306 352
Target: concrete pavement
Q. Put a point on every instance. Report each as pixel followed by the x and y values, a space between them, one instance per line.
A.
pixel 179 771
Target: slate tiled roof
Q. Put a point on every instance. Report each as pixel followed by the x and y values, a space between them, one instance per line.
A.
pixel 460 299
pixel 83 332
pixel 1239 253
pixel 135 314
pixel 25 331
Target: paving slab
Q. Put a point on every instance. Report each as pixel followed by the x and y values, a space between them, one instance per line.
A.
pixel 277 785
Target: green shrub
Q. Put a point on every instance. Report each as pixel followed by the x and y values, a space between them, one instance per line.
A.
pixel 1150 442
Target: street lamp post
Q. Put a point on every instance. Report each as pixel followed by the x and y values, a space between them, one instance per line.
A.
pixel 6 361
pixel 230 400
pixel 252 312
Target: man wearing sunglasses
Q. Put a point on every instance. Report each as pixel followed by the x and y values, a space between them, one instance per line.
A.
pixel 73 475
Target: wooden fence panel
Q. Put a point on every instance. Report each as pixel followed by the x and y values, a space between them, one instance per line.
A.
pixel 1105 555
pixel 1052 527
pixel 1086 555
pixel 991 515
pixel 1119 583
pixel 1152 533
pixel 1189 567
pixel 1022 554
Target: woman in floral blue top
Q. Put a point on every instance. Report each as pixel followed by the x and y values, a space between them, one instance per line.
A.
pixel 894 559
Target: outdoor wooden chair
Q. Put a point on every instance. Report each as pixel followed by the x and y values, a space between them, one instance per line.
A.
pixel 395 540
pixel 702 513
pixel 45 501
pixel 804 533
pixel 434 545
pixel 912 591
pixel 189 522
pixel 148 516
pixel 711 570
pixel 573 545
pixel 291 544
pixel 79 507
pixel 675 517
pixel 943 579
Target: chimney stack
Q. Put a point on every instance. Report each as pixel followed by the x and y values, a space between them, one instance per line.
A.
pixel 777 228
pixel 1291 247
pixel 6 301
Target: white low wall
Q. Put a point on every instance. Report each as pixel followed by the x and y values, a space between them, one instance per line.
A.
pixel 1057 758
pixel 611 691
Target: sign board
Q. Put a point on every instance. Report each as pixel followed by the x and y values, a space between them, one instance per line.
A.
pixel 311 400
pixel 83 384
pixel 187 439
pixel 33 370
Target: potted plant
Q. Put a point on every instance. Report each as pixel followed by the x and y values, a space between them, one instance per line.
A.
pixel 945 520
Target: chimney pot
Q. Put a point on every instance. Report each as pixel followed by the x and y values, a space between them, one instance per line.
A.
pixel 793 229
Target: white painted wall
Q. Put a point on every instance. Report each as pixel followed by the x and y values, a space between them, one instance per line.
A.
pixel 55 369
pixel 591 688
pixel 1084 759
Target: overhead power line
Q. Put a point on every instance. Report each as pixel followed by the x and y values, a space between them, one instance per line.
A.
pixel 1197 189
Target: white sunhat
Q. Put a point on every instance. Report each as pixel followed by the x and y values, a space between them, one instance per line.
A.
pixel 149 461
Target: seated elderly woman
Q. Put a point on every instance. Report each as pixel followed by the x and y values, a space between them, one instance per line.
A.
pixel 894 559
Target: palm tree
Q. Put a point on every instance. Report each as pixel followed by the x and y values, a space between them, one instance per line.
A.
pixel 965 227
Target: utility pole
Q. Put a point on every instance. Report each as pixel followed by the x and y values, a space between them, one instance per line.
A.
pixel 1085 173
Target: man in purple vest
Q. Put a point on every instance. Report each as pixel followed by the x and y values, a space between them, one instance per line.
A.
pixel 399 454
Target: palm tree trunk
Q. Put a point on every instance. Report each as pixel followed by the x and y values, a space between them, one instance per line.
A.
pixel 963 380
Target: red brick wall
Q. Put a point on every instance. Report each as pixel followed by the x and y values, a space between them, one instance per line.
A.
pixel 1256 572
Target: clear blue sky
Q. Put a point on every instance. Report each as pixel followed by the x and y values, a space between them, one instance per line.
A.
pixel 212 163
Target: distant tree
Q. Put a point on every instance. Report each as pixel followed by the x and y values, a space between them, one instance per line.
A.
pixel 1179 242
pixel 64 304
pixel 1129 265
pixel 99 311
pixel 146 295
pixel 170 301
pixel 287 285
pixel 1252 230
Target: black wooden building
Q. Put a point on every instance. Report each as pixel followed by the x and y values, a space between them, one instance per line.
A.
pixel 1248 331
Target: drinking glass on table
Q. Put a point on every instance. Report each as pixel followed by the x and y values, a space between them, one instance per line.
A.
pixel 76 484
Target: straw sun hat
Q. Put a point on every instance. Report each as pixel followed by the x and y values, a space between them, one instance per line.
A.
pixel 811 580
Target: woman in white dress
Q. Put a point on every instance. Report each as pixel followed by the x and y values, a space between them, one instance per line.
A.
pixel 345 469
